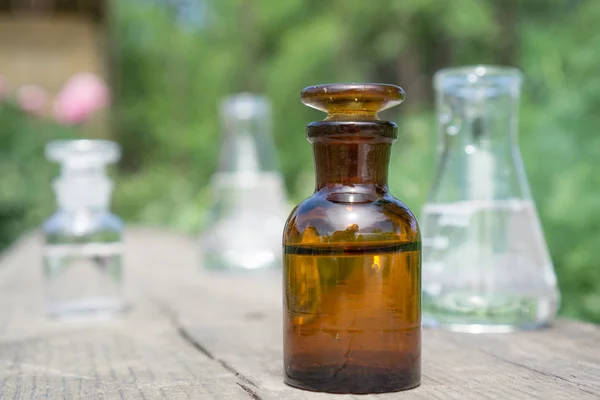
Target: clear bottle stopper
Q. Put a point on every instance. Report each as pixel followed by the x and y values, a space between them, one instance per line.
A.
pixel 250 203
pixel 486 266
pixel 83 181
pixel 83 249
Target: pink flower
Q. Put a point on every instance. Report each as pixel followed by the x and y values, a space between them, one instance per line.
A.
pixel 82 95
pixel 32 99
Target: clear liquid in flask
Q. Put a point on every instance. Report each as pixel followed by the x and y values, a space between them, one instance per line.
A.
pixel 486 267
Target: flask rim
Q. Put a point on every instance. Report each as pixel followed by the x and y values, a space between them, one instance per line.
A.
pixel 478 75
pixel 245 106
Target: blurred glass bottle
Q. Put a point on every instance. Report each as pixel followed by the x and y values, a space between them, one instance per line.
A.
pixel 486 266
pixel 250 201
pixel 83 248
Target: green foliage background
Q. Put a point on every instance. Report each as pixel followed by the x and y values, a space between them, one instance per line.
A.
pixel 172 66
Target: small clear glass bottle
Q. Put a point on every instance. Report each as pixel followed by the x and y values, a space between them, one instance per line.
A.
pixel 250 202
pixel 352 255
pixel 83 248
pixel 486 266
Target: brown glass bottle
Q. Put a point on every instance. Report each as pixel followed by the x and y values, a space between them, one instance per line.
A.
pixel 352 255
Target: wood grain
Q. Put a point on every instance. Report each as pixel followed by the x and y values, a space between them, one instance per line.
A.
pixel 194 334
pixel 139 356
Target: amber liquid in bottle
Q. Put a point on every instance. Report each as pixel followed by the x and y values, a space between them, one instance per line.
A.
pixel 352 256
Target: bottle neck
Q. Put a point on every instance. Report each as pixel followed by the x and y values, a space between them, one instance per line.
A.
pixel 84 211
pixel 83 195
pixel 351 164
pixel 351 153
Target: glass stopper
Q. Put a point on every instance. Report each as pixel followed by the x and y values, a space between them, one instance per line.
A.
pixel 83 181
pixel 352 101
pixel 83 153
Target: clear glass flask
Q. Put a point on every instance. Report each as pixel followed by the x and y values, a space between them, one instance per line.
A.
pixel 83 239
pixel 250 202
pixel 486 266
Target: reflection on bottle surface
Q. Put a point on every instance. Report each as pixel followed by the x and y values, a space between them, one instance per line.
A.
pixel 486 266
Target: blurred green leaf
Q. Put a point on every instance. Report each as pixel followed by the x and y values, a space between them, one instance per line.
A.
pixel 169 80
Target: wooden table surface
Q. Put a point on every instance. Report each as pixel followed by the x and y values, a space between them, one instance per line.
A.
pixel 192 334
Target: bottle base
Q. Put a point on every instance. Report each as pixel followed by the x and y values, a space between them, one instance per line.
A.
pixel 353 380
pixel 483 327
pixel 94 308
pixel 464 312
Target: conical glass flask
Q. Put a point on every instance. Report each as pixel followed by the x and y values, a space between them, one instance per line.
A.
pixel 486 266
pixel 250 203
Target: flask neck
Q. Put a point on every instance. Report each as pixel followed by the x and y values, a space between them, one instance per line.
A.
pixel 247 145
pixel 482 125
pixel 478 156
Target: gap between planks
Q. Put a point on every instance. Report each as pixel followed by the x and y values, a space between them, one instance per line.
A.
pixel 245 383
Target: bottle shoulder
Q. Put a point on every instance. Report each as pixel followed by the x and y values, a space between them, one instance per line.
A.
pixel 103 226
pixel 344 219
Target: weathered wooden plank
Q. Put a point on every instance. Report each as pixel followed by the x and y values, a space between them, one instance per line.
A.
pixel 236 318
pixel 138 356
pixel 455 365
pixel 570 353
pixel 195 334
